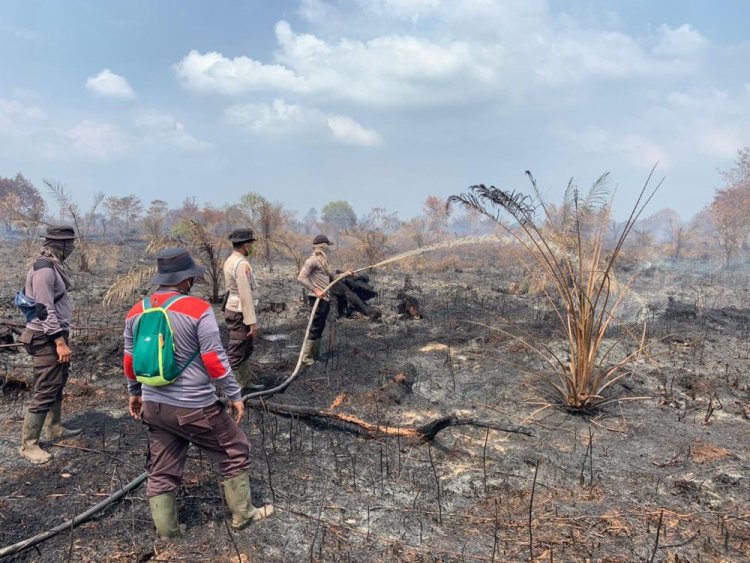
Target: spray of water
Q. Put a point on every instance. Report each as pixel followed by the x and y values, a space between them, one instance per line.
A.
pixel 397 258
pixel 438 246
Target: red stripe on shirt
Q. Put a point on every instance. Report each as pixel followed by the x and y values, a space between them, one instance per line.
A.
pixel 127 367
pixel 136 309
pixel 214 365
pixel 191 306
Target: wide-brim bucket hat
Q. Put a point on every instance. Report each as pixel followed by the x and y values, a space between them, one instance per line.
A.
pixel 174 265
pixel 322 239
pixel 60 232
pixel 242 235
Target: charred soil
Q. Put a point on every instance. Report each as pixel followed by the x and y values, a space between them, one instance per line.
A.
pixel 662 473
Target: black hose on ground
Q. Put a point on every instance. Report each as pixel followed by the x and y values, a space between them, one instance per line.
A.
pixel 117 495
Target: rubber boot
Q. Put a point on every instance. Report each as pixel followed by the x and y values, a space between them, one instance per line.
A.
pixel 55 429
pixel 237 493
pixel 316 350
pixel 307 353
pixel 164 515
pixel 32 428
pixel 244 377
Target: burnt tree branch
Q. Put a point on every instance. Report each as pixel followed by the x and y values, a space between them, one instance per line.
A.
pixel 350 423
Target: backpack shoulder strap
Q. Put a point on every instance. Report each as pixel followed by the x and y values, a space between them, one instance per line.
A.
pixel 41 263
pixel 171 301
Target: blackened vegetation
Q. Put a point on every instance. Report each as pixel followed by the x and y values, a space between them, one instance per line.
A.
pixel 677 310
pixel 351 296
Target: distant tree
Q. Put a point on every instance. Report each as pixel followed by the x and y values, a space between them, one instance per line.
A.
pixel 681 236
pixel 126 209
pixel 436 215
pixel 642 243
pixel 266 219
pixel 731 206
pixel 339 215
pixel 432 225
pixel 373 232
pixel 310 220
pixel 155 218
pixel 189 209
pixel 20 201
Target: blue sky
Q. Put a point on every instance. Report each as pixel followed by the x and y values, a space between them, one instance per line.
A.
pixel 377 102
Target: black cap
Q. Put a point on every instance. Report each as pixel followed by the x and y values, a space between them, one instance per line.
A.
pixel 242 235
pixel 322 239
pixel 60 232
pixel 175 265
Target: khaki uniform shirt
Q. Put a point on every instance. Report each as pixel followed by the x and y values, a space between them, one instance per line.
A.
pixel 315 274
pixel 241 284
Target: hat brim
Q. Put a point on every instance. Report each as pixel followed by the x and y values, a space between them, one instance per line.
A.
pixel 173 278
pixel 57 237
pixel 236 240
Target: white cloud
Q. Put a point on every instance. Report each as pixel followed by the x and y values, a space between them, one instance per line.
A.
pixel 212 72
pixel 15 109
pixel 346 130
pixel 683 41
pixel 282 118
pixel 107 84
pixel 279 117
pixel 163 130
pixel 406 9
pixel 528 53
pixel 97 140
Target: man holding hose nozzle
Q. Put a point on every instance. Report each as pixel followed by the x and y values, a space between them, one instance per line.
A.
pixel 315 276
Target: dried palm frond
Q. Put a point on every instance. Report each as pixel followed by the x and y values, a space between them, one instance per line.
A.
pixel 156 245
pixel 565 248
pixel 81 222
pixel 130 287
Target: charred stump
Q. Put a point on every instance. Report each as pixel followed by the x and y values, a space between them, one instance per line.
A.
pixel 351 295
pixel 408 306
pixel 679 311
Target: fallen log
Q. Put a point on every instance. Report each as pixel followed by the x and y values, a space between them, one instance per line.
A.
pixel 351 423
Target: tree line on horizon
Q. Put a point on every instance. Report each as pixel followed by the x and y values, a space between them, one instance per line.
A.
pixel 720 230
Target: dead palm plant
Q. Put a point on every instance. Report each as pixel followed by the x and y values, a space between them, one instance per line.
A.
pixel 206 248
pixel 566 247
pixel 83 222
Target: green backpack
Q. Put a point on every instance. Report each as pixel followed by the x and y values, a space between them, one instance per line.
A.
pixel 154 363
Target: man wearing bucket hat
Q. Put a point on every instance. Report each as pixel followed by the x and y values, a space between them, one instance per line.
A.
pixel 239 311
pixel 315 275
pixel 187 410
pixel 46 340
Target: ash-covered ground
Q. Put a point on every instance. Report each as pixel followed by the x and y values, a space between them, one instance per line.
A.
pixel 664 467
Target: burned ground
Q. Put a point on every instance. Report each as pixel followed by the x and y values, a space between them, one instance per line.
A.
pixel 665 468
